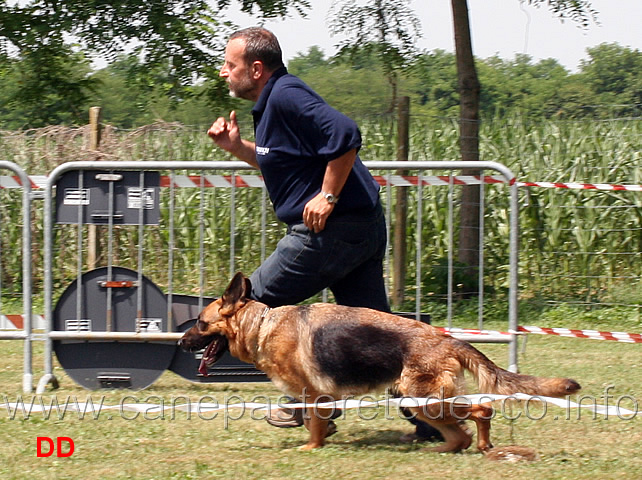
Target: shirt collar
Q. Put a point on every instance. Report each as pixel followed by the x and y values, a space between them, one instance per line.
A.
pixel 265 94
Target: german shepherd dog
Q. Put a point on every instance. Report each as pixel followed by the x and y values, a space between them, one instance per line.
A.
pixel 332 352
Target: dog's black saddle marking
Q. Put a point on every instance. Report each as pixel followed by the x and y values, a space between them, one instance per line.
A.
pixel 354 354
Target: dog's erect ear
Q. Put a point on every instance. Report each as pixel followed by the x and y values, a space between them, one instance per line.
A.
pixel 247 288
pixel 235 295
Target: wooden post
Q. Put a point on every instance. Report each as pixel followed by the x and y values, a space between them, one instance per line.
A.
pixel 93 242
pixel 399 247
pixel 95 128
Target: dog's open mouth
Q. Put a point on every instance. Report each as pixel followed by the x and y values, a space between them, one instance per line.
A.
pixel 213 352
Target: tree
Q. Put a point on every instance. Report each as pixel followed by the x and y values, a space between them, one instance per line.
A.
pixel 614 73
pixel 304 63
pixel 353 89
pixel 520 85
pixel 46 86
pixel 379 29
pixel 432 80
pixel 387 27
pixel 469 94
pixel 185 37
pixel 132 95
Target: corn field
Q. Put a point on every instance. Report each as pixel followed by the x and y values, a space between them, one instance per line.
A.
pixel 580 246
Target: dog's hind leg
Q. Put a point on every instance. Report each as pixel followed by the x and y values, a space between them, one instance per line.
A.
pixel 481 415
pixel 456 438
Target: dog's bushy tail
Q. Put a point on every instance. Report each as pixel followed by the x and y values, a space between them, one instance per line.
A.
pixel 494 379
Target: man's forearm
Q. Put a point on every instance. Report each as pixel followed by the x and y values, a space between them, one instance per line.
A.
pixel 337 173
pixel 318 209
pixel 247 153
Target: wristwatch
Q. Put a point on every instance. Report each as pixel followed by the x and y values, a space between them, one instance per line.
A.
pixel 330 197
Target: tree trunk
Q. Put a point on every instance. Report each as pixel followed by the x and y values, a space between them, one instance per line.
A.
pixel 469 89
pixel 399 248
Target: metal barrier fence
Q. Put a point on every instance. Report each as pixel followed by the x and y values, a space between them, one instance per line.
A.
pixel 144 237
pixel 19 183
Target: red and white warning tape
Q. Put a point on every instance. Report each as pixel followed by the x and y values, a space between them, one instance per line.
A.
pixel 207 181
pixel 471 331
pixel 16 322
pixel 582 186
pixel 561 332
pixel 37 181
pixel 241 180
pixel 226 181
pixel 592 334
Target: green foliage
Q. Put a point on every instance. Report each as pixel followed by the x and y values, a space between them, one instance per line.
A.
pixel 269 8
pixel 435 280
pixel 177 45
pixel 579 11
pixel 170 72
pixel 520 85
pixel 49 86
pixel 382 32
pixel 534 90
pixel 131 95
pixel 353 91
pixel 185 32
pixel 431 83
pixel 614 74
pixel 383 29
pixel 302 64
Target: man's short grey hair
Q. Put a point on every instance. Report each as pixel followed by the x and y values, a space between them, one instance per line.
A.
pixel 261 45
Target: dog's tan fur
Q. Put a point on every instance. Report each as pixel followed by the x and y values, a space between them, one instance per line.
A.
pixel 332 352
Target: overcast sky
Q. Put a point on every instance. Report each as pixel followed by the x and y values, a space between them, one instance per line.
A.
pixel 503 27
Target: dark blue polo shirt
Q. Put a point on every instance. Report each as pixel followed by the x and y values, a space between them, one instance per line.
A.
pixel 297 133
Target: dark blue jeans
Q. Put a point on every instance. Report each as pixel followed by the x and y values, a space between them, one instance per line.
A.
pixel 346 257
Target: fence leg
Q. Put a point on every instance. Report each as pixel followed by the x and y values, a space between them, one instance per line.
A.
pixel 48 377
pixel 46 380
pixel 514 279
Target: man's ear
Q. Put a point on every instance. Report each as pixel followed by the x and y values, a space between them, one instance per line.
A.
pixel 235 296
pixel 257 69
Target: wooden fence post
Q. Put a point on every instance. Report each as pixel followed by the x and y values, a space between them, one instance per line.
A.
pixel 399 246
pixel 93 242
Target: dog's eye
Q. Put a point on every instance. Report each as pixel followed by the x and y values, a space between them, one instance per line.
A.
pixel 201 325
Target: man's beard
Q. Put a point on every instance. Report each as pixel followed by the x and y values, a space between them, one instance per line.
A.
pixel 242 89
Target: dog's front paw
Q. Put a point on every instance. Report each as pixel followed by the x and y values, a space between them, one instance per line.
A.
pixel 311 446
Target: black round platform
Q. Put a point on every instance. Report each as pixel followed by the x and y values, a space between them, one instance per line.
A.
pixel 98 364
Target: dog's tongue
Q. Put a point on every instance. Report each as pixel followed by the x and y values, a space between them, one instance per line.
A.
pixel 202 368
pixel 207 355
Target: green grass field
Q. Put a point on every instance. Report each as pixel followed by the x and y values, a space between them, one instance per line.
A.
pixel 173 446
